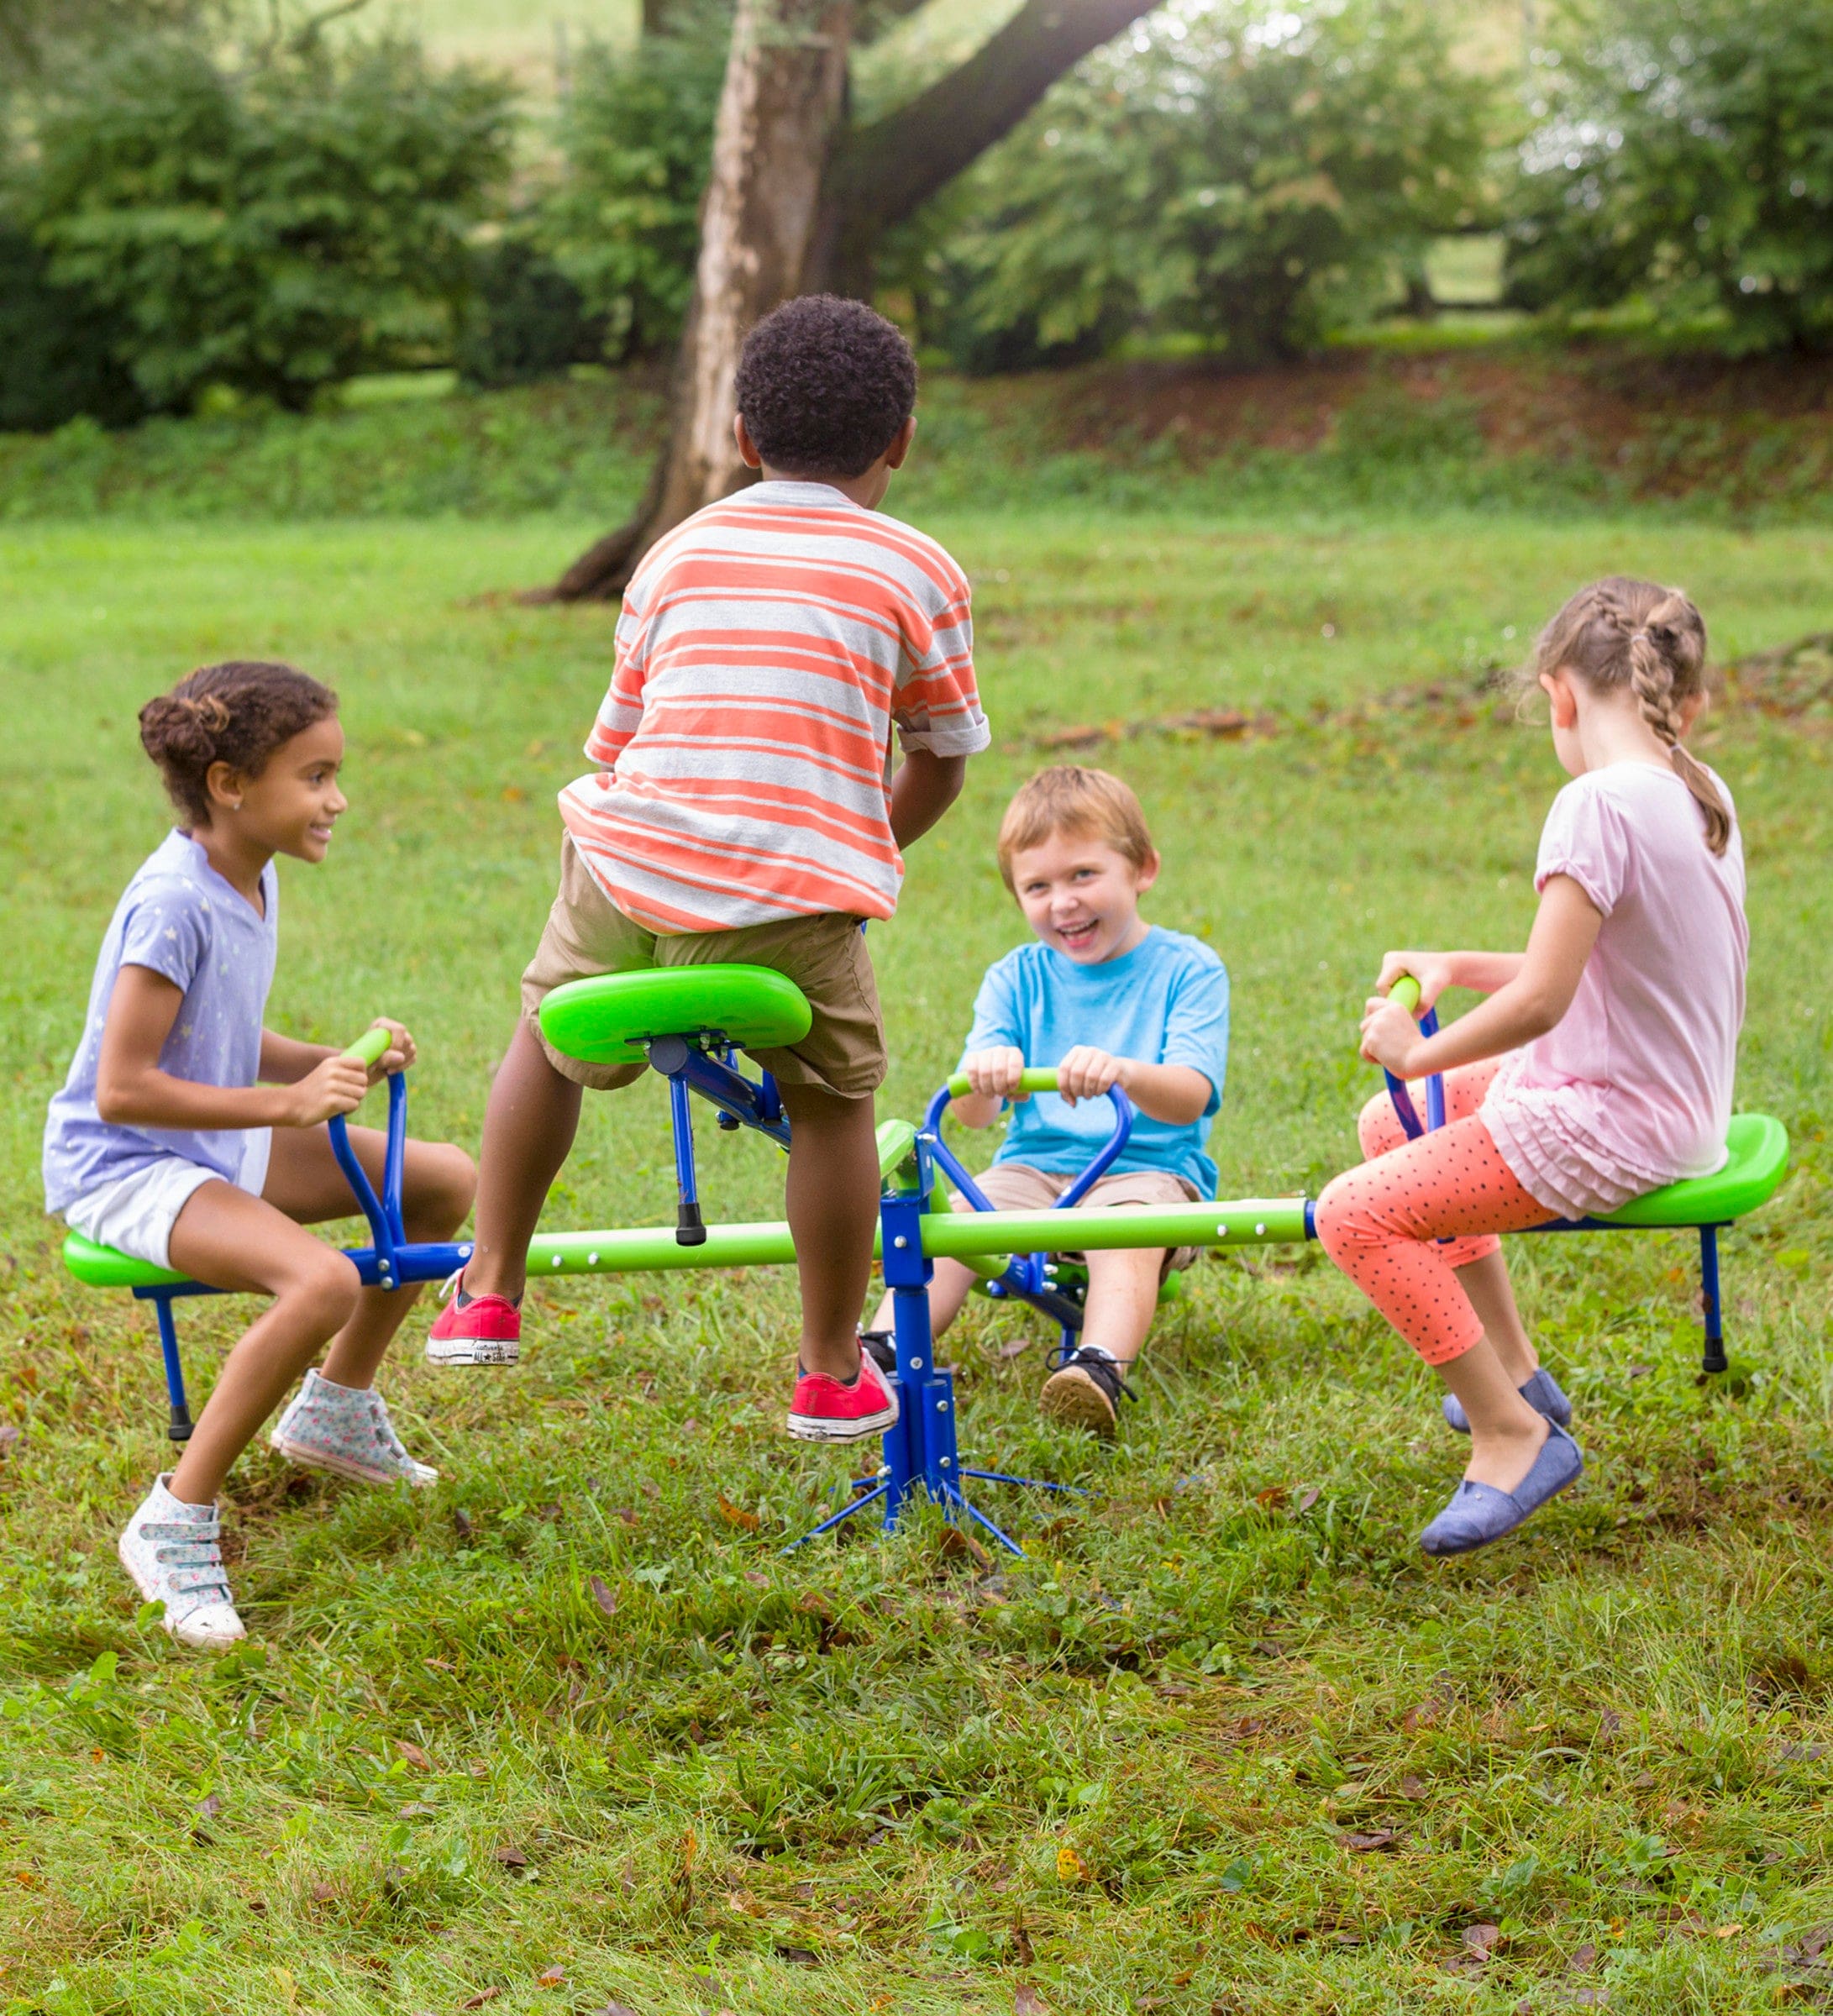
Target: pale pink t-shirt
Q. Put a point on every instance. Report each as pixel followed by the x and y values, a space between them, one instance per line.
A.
pixel 1633 1088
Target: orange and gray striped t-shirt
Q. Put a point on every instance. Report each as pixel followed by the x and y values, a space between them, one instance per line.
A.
pixel 766 648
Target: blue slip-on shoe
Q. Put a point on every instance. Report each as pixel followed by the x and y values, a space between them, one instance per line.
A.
pixel 1478 1512
pixel 1541 1393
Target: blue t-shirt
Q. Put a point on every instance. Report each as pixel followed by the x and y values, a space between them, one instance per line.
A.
pixel 181 918
pixel 1165 1002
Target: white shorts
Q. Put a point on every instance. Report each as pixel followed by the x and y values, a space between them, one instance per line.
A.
pixel 135 1214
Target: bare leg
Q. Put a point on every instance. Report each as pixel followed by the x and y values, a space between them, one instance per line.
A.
pixel 832 1201
pixel 528 1129
pixel 231 1240
pixel 1123 1298
pixel 1486 1282
pixel 1505 1433
pixel 304 1181
pixel 951 1286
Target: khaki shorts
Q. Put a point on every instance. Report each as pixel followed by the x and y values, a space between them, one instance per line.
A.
pixel 1015 1186
pixel 587 934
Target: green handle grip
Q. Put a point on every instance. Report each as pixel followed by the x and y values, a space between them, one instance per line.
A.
pixel 1406 991
pixel 368 1046
pixel 1034 1078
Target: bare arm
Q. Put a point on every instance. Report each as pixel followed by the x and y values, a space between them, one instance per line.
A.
pixel 924 788
pixel 1528 1003
pixel 131 1090
pixel 1480 972
pixel 286 1060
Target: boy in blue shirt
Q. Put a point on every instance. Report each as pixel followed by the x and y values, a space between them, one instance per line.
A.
pixel 1111 1000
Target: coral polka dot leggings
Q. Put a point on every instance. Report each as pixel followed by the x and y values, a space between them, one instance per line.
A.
pixel 1382 1222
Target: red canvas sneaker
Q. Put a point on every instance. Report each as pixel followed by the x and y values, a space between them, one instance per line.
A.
pixel 823 1410
pixel 476 1330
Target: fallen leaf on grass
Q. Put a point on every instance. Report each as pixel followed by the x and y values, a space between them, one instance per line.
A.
pixel 611 2009
pixel 1371 1844
pixel 413 1754
pixel 208 1807
pixel 550 1977
pixel 478 2000
pixel 1305 1500
pixel 799 1956
pixel 1028 2002
pixel 1071 1866
pixel 1017 1346
pixel 957 1544
pixel 511 1858
pixel 601 1594
pixel 1273 1497
pixel 1412 1787
pixel 322 1893
pixel 10 1436
pixel 1802 1753
pixel 736 1516
pixel 461 1524
pixel 757 1578
pixel 1480 1939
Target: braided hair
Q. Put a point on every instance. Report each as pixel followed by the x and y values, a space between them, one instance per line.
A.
pixel 237 713
pixel 1622 633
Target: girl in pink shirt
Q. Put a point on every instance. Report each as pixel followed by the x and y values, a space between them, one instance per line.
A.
pixel 1600 1067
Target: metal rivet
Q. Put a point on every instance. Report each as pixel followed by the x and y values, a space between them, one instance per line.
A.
pixel 899 1243
pixel 1221 1231
pixel 1260 1232
pixel 941 1406
pixel 591 1259
pixel 947 1462
pixel 466 1252
pixel 915 1364
pixel 556 1259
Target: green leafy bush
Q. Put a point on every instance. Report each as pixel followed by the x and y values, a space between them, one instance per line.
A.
pixel 57 349
pixel 274 228
pixel 623 223
pixel 1683 159
pixel 526 320
pixel 1239 172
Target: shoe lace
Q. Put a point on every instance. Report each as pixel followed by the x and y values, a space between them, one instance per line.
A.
pixel 448 1287
pixel 1108 1374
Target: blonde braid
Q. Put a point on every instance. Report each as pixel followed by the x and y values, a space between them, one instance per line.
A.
pixel 1626 632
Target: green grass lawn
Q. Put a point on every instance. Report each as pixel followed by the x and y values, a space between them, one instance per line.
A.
pixel 1224 1741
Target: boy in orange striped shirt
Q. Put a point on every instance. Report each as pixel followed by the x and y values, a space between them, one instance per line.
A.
pixel 765 651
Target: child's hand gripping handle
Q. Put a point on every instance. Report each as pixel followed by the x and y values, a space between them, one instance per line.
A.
pixel 1406 991
pixel 369 1047
pixel 1034 1078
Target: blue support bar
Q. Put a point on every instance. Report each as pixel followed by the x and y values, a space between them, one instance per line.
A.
pixel 180 1429
pixel 690 1227
pixel 1713 1358
pixel 1403 1109
pixel 395 1157
pixel 388 1273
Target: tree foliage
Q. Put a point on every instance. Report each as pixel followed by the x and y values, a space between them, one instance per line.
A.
pixel 1237 170
pixel 622 224
pixel 1684 158
pixel 274 228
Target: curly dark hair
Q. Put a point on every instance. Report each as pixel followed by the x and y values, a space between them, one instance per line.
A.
pixel 824 384
pixel 238 713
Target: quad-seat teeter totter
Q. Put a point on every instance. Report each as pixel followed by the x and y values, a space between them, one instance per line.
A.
pixel 688 1022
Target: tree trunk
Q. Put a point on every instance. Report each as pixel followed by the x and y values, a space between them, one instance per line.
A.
pixel 795 202
pixel 779 108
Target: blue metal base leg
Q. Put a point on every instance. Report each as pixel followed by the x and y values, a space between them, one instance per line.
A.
pixel 179 1430
pixel 1713 1358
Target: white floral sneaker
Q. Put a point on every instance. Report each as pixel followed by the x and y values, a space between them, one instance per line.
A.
pixel 346 1430
pixel 172 1552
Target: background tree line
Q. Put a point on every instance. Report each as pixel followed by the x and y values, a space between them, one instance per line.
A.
pixel 188 202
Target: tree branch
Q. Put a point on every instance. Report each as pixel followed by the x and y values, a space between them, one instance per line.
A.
pixel 886 169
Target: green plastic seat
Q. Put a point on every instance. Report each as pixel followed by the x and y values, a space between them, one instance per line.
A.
pixel 608 1021
pixel 1756 1162
pixel 102 1267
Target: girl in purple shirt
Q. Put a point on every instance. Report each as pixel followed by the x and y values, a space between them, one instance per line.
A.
pixel 191 1136
pixel 1598 1069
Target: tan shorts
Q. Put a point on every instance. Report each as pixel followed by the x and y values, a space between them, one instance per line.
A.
pixel 1015 1186
pixel 586 935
